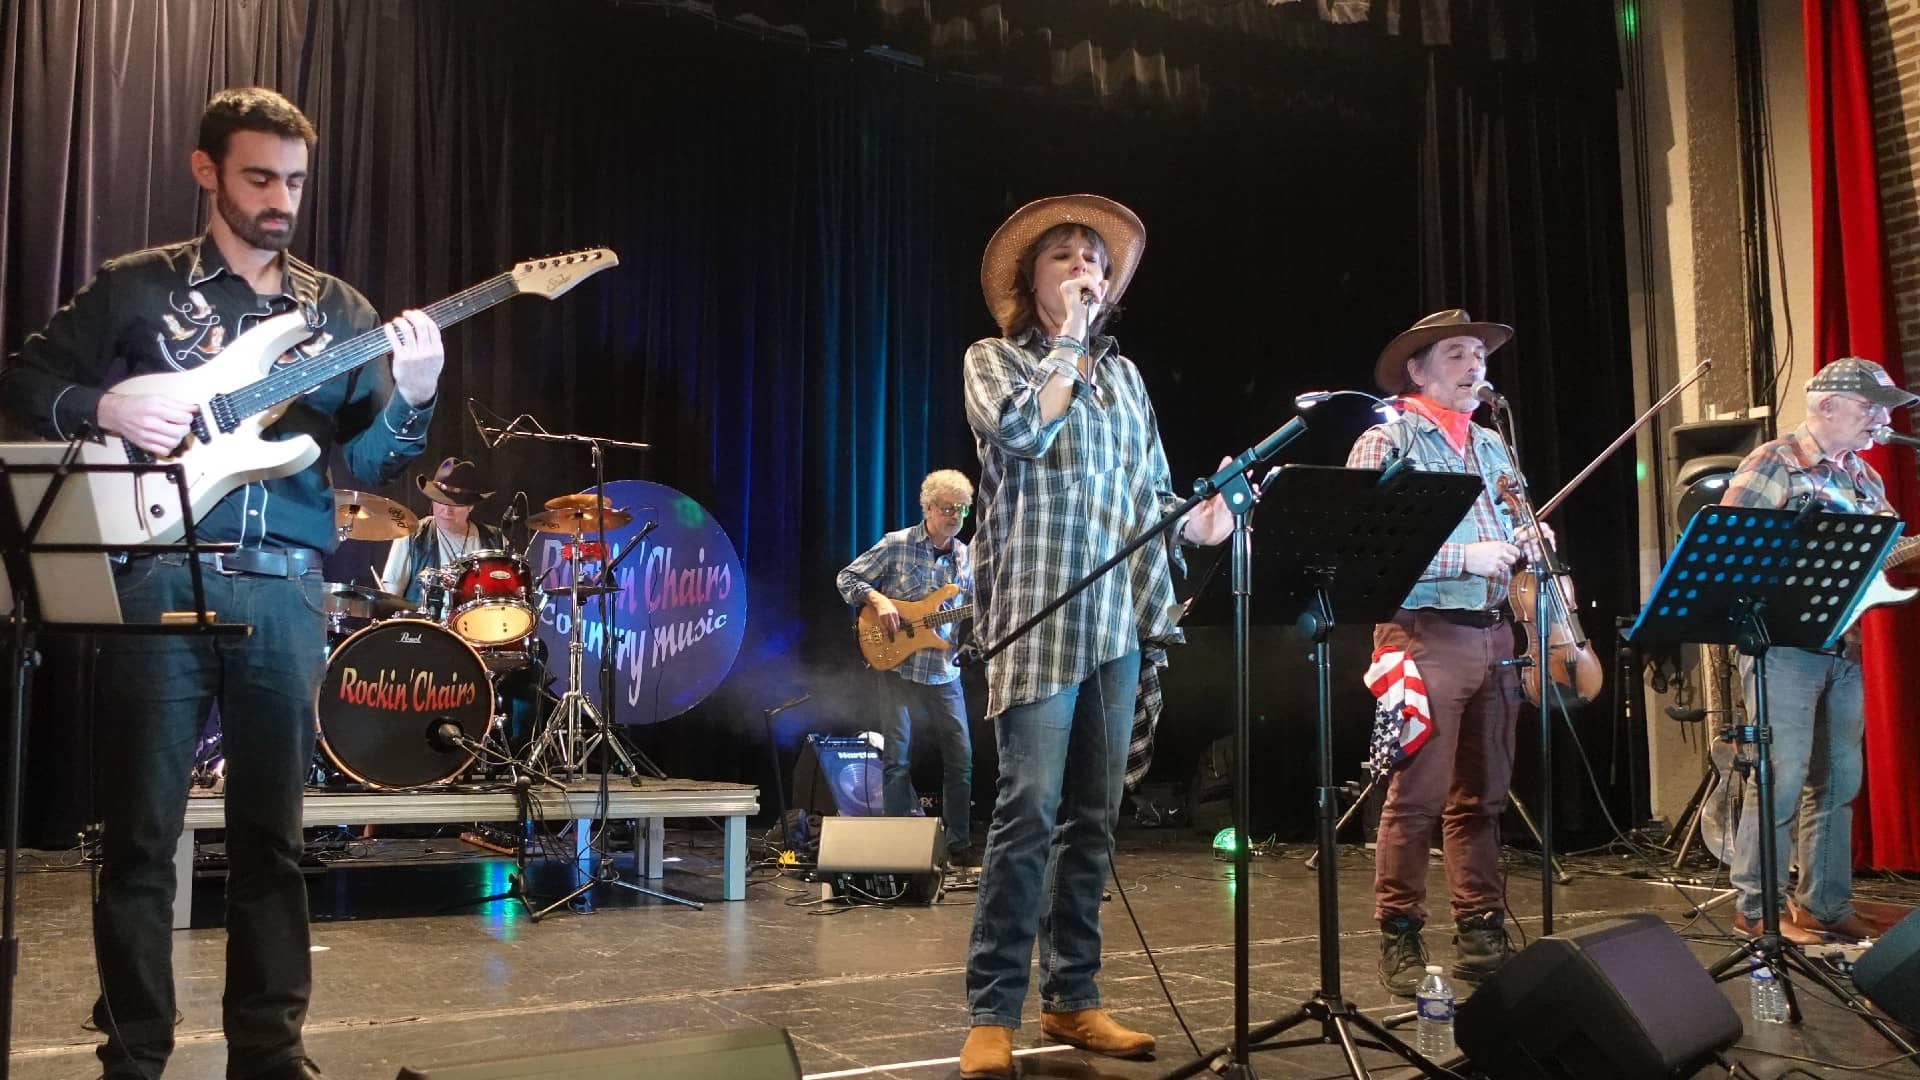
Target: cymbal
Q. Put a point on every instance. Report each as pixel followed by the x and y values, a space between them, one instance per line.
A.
pixel 580 592
pixel 364 601
pixel 577 522
pixel 581 501
pixel 362 515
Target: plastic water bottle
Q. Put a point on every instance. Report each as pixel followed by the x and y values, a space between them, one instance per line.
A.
pixel 1434 1039
pixel 1766 1002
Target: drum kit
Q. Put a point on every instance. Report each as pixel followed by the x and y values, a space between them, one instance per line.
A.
pixel 393 661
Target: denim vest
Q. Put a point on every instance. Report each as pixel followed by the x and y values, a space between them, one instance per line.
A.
pixel 1423 443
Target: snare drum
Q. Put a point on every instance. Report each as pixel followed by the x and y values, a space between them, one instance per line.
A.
pixel 492 598
pixel 385 689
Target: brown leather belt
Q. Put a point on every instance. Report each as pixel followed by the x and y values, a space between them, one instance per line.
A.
pixel 265 561
pixel 1484 620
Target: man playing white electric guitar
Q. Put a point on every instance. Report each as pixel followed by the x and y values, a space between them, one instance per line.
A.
pixel 172 309
pixel 1815 702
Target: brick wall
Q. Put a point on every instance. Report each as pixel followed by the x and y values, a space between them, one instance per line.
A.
pixel 1893 41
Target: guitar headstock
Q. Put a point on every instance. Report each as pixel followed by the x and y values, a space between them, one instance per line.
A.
pixel 555 274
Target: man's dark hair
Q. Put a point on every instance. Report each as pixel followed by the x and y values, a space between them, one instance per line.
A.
pixel 251 108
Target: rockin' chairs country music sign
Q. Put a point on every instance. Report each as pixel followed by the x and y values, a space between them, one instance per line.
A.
pixel 678 614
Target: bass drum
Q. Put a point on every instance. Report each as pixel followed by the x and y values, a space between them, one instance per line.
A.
pixel 385 689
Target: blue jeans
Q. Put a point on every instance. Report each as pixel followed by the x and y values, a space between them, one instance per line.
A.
pixel 155 694
pixel 1063 765
pixel 943 707
pixel 1818 716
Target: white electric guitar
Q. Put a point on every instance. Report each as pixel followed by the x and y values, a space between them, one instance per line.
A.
pixel 242 390
pixel 1880 590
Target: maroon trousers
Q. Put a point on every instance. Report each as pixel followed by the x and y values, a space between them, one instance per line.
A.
pixel 1460 776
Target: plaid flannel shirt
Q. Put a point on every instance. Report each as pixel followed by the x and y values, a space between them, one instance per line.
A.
pixel 904 566
pixel 1445 583
pixel 1793 467
pixel 1055 500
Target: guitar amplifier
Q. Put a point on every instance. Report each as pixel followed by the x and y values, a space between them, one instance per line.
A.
pixel 839 774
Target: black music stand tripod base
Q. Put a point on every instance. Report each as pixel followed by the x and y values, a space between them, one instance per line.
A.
pixel 1760 579
pixel 1350 542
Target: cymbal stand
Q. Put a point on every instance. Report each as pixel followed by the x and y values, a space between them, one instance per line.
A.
pixel 564 734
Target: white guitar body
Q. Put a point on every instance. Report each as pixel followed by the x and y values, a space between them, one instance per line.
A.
pixel 145 507
pixel 1879 591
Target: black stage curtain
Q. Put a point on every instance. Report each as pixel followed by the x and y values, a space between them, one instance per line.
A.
pixel 799 230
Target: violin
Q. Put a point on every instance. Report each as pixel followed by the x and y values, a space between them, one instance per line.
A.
pixel 1570 660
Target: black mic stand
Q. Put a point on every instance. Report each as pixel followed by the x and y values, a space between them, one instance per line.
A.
pixel 449 735
pixel 1732 580
pixel 1352 541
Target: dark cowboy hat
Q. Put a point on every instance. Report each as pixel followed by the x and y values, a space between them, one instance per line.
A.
pixel 1390 371
pixel 1118 227
pixel 457 482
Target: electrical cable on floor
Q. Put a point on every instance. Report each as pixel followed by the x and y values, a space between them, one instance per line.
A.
pixel 1159 976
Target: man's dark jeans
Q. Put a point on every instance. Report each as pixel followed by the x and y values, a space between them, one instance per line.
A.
pixel 154 697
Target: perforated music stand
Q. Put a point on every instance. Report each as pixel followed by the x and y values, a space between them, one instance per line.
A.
pixel 20 545
pixel 1757 579
pixel 1350 542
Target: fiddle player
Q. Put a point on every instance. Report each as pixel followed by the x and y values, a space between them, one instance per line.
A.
pixel 1454 626
pixel 1815 702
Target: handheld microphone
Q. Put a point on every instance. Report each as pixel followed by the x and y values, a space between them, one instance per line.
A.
pixel 1484 391
pixel 1087 297
pixel 1886 436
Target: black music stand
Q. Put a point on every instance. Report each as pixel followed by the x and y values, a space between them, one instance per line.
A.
pixel 1352 542
pixel 1757 579
pixel 19 542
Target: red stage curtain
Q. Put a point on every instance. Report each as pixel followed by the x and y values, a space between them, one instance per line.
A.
pixel 1853 316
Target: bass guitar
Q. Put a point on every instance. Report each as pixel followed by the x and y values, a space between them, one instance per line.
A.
pixel 918 621
pixel 242 390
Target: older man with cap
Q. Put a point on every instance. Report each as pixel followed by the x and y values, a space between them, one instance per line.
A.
pixel 449 534
pixel 1454 628
pixel 1071 467
pixel 1815 703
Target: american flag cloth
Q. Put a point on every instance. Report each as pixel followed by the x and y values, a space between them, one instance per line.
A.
pixel 1401 719
pixel 905 566
pixel 1793 467
pixel 1055 500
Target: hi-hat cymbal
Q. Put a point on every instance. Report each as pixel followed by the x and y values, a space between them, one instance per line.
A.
pixel 572 522
pixel 581 501
pixel 362 515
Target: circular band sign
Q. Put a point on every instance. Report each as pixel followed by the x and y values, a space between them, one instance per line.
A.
pixel 678 615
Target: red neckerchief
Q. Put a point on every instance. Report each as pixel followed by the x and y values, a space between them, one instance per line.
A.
pixel 1454 425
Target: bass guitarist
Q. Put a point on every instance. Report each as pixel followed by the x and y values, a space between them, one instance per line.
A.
pixel 171 309
pixel 909 564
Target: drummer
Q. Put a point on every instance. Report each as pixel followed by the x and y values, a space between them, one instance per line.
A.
pixel 449 535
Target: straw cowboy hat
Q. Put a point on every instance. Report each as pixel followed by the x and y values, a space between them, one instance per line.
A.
pixel 1118 227
pixel 457 482
pixel 1390 371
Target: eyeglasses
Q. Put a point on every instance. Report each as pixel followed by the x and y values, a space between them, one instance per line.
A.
pixel 959 509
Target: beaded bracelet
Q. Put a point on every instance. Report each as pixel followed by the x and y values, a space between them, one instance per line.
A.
pixel 1074 345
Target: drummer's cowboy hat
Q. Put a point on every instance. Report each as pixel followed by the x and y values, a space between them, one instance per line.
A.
pixel 457 482
pixel 1390 371
pixel 1119 228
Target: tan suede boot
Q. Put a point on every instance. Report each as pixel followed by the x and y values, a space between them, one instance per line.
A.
pixel 988 1054
pixel 1093 1029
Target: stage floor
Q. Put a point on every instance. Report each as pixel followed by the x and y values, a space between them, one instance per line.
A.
pixel 405 975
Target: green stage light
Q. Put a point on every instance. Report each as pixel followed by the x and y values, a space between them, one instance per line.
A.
pixel 1223 842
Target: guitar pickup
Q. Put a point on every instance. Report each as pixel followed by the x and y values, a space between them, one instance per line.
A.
pixel 200 430
pixel 135 455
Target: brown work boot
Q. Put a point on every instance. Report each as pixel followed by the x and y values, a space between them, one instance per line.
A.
pixel 1094 1029
pixel 988 1054
pixel 1799 935
pixel 1849 927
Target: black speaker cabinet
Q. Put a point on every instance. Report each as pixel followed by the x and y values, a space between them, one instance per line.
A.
pixel 1889 971
pixel 764 1053
pixel 839 774
pixel 1620 998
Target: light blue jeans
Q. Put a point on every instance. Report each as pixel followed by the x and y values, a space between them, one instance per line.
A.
pixel 942 707
pixel 1063 764
pixel 1818 716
